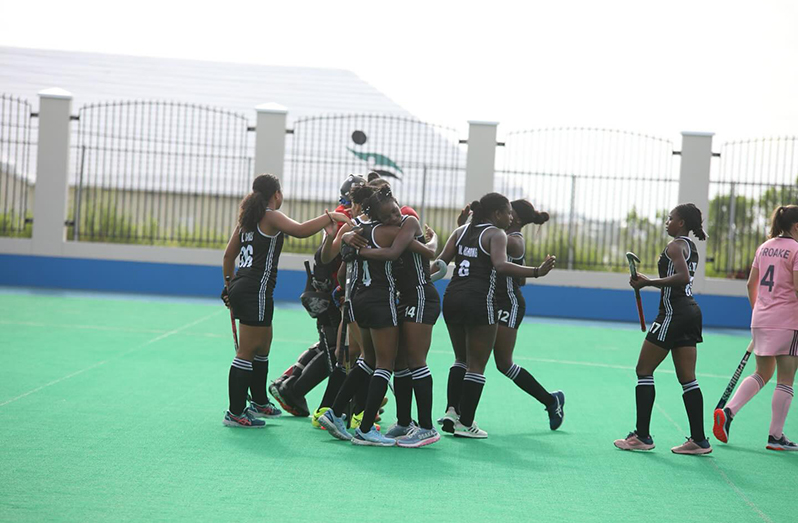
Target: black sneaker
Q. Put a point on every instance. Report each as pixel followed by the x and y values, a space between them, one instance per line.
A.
pixel 722 421
pixel 556 413
pixel 781 443
pixel 296 405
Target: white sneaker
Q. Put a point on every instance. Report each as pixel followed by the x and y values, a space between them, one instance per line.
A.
pixel 469 432
pixel 448 421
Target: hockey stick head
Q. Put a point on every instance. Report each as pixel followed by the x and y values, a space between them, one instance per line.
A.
pixel 442 268
pixel 633 261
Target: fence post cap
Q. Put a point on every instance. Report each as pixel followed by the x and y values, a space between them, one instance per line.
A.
pixel 55 92
pixel 272 107
pixel 482 122
pixel 696 133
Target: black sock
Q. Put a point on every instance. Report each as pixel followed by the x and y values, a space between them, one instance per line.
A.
pixel 357 376
pixel 333 386
pixel 315 372
pixel 237 385
pixel 694 404
pixel 422 388
pixel 403 390
pixel 378 386
pixel 455 385
pixel 644 397
pixel 260 373
pixel 359 401
pixel 473 384
pixel 530 385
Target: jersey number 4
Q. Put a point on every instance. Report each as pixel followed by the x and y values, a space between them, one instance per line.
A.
pixel 245 260
pixel 463 269
pixel 767 279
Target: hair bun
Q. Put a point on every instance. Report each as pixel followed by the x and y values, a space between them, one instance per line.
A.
pixel 475 205
pixel 541 218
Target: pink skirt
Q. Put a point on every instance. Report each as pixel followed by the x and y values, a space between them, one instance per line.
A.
pixel 775 342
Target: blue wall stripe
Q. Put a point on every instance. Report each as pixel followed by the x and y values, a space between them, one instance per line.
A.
pixel 202 280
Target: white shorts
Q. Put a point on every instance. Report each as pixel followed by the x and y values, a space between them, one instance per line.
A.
pixel 775 342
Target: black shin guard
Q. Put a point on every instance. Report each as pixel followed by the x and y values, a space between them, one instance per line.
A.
pixel 644 398
pixel 333 386
pixel 530 385
pixel 260 373
pixel 378 386
pixel 359 375
pixel 422 388
pixel 473 384
pixel 403 390
pixel 454 386
pixel 694 404
pixel 238 382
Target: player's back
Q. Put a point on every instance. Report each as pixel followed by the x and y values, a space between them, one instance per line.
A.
pixel 777 302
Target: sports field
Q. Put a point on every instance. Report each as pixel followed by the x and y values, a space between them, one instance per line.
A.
pixel 111 409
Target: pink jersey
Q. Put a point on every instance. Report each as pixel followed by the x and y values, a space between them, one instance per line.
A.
pixel 776 302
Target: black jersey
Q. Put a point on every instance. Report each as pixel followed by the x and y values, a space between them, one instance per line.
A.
pixel 412 270
pixel 473 270
pixel 671 297
pixel 258 259
pixel 374 274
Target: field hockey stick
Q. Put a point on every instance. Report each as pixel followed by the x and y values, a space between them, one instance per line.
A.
pixel 633 259
pixel 443 267
pixel 232 317
pixel 345 332
pixel 735 378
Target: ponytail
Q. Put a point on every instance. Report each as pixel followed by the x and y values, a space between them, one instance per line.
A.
pixel 782 220
pixel 693 220
pixel 254 205
pixel 527 214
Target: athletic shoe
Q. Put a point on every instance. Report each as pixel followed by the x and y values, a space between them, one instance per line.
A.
pixel 244 421
pixel 263 411
pixel 373 438
pixel 635 442
pixel 448 421
pixel 556 413
pixel 723 419
pixel 418 437
pixel 316 415
pixel 357 419
pixel 781 443
pixel 296 405
pixel 693 447
pixel 274 390
pixel 335 426
pixel 397 431
pixel 473 431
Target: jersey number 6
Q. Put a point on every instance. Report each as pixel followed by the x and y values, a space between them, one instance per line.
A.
pixel 246 256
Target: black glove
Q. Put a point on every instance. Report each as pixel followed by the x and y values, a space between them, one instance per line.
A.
pixel 224 295
pixel 348 253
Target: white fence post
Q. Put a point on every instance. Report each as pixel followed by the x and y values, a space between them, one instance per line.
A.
pixel 52 172
pixel 696 160
pixel 270 140
pixel 480 160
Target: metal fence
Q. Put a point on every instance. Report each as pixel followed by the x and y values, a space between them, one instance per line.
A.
pixel 16 172
pixel 607 191
pixel 752 178
pixel 424 163
pixel 160 173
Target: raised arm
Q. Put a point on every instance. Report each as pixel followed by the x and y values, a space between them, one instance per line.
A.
pixel 277 221
pixel 498 256
pixel 404 239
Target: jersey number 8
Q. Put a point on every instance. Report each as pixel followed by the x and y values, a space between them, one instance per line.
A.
pixel 463 269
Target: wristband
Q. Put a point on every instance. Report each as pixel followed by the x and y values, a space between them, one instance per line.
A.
pixel 537 270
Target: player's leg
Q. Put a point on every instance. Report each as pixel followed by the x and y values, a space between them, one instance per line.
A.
pixel 749 387
pixel 479 343
pixel 780 406
pixel 647 362
pixel 241 376
pixel 260 406
pixel 503 356
pixel 454 384
pixel 418 337
pixel 684 361
pixel 385 342
pixel 403 391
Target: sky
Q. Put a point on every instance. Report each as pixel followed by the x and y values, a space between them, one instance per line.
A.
pixel 659 68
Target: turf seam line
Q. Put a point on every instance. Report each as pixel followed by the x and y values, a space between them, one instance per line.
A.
pixel 723 475
pixel 95 365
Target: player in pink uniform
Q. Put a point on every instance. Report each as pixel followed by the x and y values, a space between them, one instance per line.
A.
pixel 773 292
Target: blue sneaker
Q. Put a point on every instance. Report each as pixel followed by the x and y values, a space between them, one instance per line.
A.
pixel 418 437
pixel 373 438
pixel 335 426
pixel 397 431
pixel 244 421
pixel 556 413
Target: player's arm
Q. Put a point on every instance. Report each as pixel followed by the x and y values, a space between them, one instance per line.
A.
pixel 753 285
pixel 332 244
pixel 432 239
pixel 681 275
pixel 403 239
pixel 515 248
pixel 450 249
pixel 277 221
pixel 230 255
pixel 498 257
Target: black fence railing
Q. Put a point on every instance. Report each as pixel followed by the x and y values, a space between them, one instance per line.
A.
pixel 424 163
pixel 16 162
pixel 159 173
pixel 607 191
pixel 752 178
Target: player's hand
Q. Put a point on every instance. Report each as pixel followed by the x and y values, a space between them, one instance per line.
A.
pixel 330 229
pixel 429 234
pixel 225 297
pixel 339 217
pixel 464 214
pixel 641 281
pixel 354 239
pixel 547 265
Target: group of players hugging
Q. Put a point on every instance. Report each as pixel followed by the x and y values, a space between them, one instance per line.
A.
pixel 372 295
